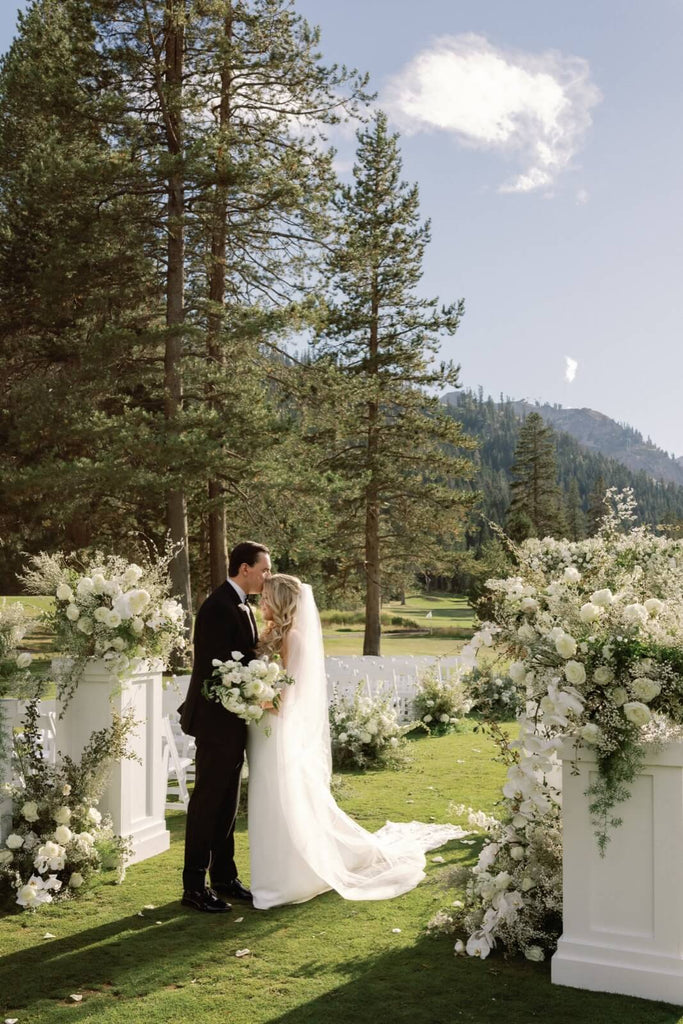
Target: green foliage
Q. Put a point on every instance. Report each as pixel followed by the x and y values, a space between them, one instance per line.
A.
pixel 496 425
pixel 59 838
pixel 535 508
pixel 388 441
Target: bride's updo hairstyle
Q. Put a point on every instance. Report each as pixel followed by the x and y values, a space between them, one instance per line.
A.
pixel 281 593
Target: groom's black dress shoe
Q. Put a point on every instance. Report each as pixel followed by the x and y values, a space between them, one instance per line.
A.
pixel 234 889
pixel 204 899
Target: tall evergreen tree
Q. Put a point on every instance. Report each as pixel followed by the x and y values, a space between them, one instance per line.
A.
pixel 596 505
pixel 574 516
pixel 185 186
pixel 535 509
pixel 396 453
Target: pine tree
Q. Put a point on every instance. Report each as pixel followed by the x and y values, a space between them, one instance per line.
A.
pixel 596 505
pixel 397 454
pixel 574 516
pixel 535 508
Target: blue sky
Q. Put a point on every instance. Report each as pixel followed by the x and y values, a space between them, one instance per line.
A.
pixel 546 140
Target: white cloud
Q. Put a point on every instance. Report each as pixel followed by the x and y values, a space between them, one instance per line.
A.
pixel 535 107
pixel 582 197
pixel 570 368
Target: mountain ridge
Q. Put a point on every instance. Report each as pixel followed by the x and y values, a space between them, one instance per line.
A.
pixel 599 433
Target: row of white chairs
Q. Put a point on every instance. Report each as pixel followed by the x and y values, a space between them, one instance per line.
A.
pixel 395 675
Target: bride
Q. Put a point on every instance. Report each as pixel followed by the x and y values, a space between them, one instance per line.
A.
pixel 301 843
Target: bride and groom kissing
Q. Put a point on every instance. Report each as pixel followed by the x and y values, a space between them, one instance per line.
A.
pixel 301 843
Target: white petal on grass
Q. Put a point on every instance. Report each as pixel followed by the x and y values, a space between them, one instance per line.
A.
pixel 243 952
pixel 533 107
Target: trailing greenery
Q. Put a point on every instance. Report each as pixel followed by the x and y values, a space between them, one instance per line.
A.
pixel 59 839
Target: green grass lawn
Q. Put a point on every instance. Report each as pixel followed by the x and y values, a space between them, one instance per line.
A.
pixel 324 962
pixel 443 634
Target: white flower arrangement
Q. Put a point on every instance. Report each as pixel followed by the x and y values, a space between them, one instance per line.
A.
pixel 439 704
pixel 365 731
pixel 59 839
pixel 107 608
pixel 246 690
pixel 600 666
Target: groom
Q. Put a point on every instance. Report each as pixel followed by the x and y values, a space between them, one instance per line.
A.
pixel 224 623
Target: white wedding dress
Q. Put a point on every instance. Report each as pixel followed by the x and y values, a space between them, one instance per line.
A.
pixel 301 843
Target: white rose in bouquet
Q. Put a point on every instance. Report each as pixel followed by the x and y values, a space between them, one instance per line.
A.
pixel 534 953
pixel 94 815
pixel 85 625
pixel 14 841
pixel 112 619
pixel 64 592
pixel 63 835
pixel 637 713
pixel 603 675
pixel 73 612
pixel 98 583
pixel 138 626
pixel 24 659
pixel 603 598
pixel 29 811
pixel 619 695
pixel 62 815
pixel 590 612
pixel 101 614
pixel 85 587
pixel 6 857
pixel 565 645
pixel 132 575
pixel 635 614
pixel 575 673
pixel 76 880
pixel 571 574
pixel 645 689
pixel 590 733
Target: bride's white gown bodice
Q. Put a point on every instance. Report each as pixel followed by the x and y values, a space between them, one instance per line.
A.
pixel 301 843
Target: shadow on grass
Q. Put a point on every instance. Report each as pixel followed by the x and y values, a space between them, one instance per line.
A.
pixel 133 955
pixel 426 984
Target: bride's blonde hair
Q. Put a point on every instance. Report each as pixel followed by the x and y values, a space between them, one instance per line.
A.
pixel 281 593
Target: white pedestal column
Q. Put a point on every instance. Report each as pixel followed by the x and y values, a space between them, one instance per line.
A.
pixel 623 914
pixel 135 795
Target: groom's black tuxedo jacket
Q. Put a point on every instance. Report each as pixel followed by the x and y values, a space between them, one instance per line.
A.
pixel 221 627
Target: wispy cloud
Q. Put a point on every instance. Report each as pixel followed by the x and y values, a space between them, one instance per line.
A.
pixel 570 368
pixel 535 107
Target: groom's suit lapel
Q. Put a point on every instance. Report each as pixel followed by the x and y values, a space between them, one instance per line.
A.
pixel 231 600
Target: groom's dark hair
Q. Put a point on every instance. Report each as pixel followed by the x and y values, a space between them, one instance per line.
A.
pixel 247 551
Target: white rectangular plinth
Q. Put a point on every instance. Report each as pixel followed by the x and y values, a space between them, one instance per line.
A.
pixel 135 795
pixel 623 913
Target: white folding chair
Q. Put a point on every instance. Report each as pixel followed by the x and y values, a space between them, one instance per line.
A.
pixel 176 769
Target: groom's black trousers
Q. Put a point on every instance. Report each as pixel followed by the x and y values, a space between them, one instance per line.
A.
pixel 210 832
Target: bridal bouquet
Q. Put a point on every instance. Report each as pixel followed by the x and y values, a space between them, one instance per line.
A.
pixel 246 689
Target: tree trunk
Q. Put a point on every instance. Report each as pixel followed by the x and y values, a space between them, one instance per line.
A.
pixel 373 588
pixel 218 547
pixel 176 509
